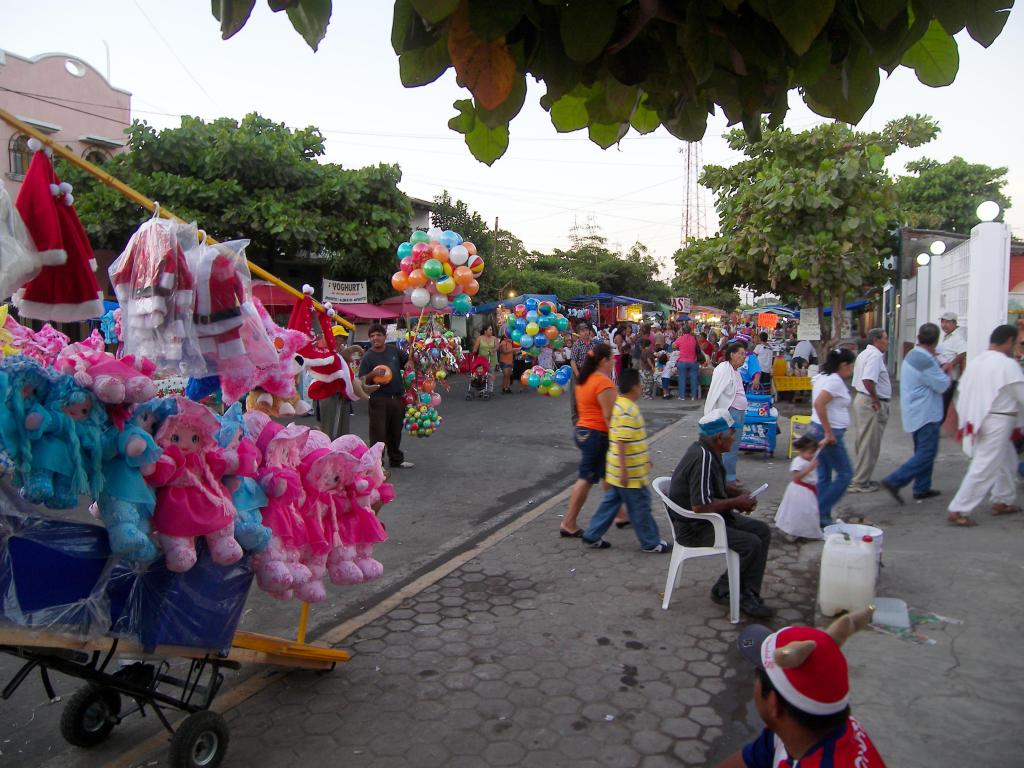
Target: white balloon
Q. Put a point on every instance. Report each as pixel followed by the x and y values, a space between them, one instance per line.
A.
pixel 439 301
pixel 434 233
pixel 458 255
pixel 420 297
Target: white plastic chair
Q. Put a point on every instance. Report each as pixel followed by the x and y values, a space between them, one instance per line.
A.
pixel 681 554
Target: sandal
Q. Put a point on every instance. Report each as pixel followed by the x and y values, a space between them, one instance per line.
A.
pixel 962 521
pixel 1004 509
pixel 570 534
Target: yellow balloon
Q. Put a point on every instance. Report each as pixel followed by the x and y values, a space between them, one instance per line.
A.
pixel 532 329
pixel 445 285
pixel 554 390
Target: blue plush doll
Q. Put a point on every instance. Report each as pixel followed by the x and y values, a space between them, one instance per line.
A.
pixel 67 458
pixel 247 495
pixel 127 501
pixel 24 386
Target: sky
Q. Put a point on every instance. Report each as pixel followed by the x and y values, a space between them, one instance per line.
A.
pixel 171 58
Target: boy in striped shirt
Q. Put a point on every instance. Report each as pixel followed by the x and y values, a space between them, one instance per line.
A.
pixel 626 472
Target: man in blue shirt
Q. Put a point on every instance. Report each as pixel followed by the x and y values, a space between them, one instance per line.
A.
pixel 922 382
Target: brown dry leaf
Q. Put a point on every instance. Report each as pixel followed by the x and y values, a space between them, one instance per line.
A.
pixel 486 68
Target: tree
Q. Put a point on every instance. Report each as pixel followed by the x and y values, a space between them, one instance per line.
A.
pixel 609 65
pixel 946 195
pixel 589 257
pixel 717 295
pixel 806 215
pixel 259 180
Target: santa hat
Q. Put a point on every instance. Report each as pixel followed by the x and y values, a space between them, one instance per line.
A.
pixel 66 289
pixel 329 373
pixel 806 665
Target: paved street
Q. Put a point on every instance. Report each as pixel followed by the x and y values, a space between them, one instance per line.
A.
pixel 521 648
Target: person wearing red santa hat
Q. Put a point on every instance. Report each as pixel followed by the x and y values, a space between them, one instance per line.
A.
pixel 65 290
pixel 802 693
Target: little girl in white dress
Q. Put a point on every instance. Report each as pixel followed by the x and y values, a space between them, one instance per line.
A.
pixel 798 513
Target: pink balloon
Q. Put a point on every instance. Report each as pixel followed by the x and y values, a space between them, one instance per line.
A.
pixel 435 399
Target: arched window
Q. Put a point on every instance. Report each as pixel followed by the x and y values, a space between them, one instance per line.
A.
pixel 96 156
pixel 19 154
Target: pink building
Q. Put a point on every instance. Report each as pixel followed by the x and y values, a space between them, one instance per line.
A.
pixel 63 97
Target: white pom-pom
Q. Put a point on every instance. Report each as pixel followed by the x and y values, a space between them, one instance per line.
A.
pixel 65 187
pixel 35 144
pixel 48 151
pixel 331 313
pixel 328 306
pixel 69 199
pixel 55 190
pixel 307 289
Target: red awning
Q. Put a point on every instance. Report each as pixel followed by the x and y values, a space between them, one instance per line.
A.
pixel 406 308
pixel 271 296
pixel 366 311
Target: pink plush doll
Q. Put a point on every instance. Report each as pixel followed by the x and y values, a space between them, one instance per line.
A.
pixel 279 571
pixel 324 474
pixel 116 383
pixel 191 499
pixel 358 526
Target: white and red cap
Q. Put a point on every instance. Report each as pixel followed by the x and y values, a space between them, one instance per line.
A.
pixel 806 666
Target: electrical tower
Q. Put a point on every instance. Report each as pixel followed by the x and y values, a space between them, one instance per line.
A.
pixel 694 225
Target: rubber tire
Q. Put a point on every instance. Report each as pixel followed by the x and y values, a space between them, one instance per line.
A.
pixel 187 738
pixel 73 725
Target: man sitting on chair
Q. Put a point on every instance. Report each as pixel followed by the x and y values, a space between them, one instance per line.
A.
pixel 698 484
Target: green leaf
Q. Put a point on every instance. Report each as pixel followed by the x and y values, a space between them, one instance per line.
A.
pixel 424 65
pixel 987 19
pixel 569 113
pixel 813 64
pixel 934 58
pixel 800 21
pixel 232 15
pixel 281 5
pixel 466 119
pixel 693 37
pixel 401 23
pixel 690 122
pixel 586 28
pixel 310 19
pixel 607 134
pixel 845 92
pixel 487 144
pixel 508 109
pixel 490 20
pixel 881 12
pixel 434 11
pixel 644 120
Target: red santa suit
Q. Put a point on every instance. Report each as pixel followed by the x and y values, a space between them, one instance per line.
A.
pixel 329 373
pixel 220 293
pixel 65 290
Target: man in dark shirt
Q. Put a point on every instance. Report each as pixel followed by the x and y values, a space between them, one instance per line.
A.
pixel 387 410
pixel 698 484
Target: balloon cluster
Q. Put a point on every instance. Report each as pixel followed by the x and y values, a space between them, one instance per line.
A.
pixel 421 389
pixel 546 381
pixel 536 324
pixel 438 267
pixel 421 420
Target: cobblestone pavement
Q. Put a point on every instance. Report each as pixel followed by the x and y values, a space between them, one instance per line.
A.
pixel 538 652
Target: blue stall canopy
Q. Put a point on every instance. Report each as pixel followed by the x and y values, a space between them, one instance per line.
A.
pixel 490 306
pixel 857 304
pixel 607 298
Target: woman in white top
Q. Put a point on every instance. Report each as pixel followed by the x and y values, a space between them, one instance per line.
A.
pixel 726 391
pixel 830 418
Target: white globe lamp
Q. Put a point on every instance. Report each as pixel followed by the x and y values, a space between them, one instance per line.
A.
pixel 988 211
pixel 923 259
pixel 937 248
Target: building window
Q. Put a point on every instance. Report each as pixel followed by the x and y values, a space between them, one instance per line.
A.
pixel 96 156
pixel 19 153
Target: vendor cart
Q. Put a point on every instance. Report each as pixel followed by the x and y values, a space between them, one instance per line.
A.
pixel 760 426
pixel 67 606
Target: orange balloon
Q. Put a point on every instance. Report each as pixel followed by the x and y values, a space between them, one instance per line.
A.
pixel 439 252
pixel 469 247
pixel 471 288
pixel 551 331
pixel 463 275
pixel 417 279
pixel 427 385
pixel 381 374
pixel 400 281
pixel 525 379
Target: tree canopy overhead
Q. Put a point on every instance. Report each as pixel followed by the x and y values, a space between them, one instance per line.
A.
pixel 946 195
pixel 610 65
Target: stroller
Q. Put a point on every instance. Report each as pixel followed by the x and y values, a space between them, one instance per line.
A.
pixel 480 383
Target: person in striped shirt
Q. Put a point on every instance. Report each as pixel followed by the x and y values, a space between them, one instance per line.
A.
pixel 627 471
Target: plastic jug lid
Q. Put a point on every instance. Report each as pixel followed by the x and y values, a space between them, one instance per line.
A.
pixel 868 537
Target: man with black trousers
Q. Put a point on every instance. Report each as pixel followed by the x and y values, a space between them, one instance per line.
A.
pixel 387 410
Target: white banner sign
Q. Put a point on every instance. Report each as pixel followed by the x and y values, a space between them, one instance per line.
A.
pixel 681 305
pixel 809 327
pixel 338 292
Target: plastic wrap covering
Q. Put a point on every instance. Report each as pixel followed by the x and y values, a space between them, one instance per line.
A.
pixel 155 289
pixel 58 576
pixel 19 260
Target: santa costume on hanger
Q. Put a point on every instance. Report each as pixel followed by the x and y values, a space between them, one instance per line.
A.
pixel 220 293
pixel 330 374
pixel 65 290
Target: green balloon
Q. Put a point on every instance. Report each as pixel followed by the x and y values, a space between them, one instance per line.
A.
pixel 557 343
pixel 562 323
pixel 546 380
pixel 511 322
pixel 405 249
pixel 433 269
pixel 462 303
pixel 419 236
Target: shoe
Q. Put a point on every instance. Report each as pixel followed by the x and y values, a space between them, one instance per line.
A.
pixel 403 465
pixel 570 534
pixel 622 525
pixel 599 544
pixel 894 492
pixel 930 494
pixel 719 598
pixel 753 606
pixel 851 488
pixel 658 549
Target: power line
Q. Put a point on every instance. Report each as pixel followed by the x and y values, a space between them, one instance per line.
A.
pixel 65 106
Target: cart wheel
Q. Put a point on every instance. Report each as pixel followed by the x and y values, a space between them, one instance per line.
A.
pixel 200 742
pixel 88 717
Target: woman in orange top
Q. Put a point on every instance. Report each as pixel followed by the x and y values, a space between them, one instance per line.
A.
pixel 595 397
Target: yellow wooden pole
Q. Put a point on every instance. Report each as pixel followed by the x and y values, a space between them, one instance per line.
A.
pixel 139 199
pixel 303 623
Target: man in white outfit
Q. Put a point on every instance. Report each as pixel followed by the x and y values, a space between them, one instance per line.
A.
pixel 952 350
pixel 990 401
pixel 870 408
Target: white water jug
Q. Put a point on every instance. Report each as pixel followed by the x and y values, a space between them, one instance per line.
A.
pixel 848 573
